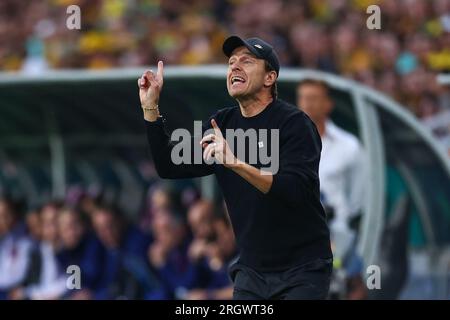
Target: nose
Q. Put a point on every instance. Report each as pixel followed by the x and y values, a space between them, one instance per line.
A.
pixel 236 67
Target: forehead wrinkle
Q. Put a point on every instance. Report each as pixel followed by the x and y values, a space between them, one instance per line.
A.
pixel 245 53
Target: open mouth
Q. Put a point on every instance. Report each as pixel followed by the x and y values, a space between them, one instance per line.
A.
pixel 237 79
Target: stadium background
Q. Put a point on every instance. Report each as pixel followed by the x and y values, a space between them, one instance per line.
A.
pixel 71 128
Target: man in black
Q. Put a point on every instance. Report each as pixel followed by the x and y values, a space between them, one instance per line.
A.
pixel 279 223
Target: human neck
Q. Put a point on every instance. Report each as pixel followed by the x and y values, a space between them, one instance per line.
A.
pixel 321 126
pixel 252 106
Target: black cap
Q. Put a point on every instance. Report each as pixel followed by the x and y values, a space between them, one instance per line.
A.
pixel 258 47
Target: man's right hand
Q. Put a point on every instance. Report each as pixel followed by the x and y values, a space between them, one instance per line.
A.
pixel 150 86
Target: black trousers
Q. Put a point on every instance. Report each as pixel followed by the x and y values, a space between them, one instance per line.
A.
pixel 310 281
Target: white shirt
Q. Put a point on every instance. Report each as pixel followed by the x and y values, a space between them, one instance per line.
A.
pixel 342 174
pixel 14 258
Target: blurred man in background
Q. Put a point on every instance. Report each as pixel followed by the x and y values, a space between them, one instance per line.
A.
pixel 341 173
pixel 81 248
pixel 46 278
pixel 200 219
pixel 341 168
pixel 168 254
pixel 212 248
pixel 15 248
pixel 125 273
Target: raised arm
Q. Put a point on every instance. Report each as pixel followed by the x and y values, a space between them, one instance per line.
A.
pixel 150 86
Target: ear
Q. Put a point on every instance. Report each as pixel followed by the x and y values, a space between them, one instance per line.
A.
pixel 270 78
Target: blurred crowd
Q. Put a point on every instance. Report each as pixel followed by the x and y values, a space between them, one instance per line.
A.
pixel 179 249
pixel 402 59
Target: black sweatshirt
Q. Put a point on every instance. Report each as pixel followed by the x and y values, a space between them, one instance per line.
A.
pixel 285 227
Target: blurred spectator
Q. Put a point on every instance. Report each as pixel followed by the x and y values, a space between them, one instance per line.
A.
pixel 82 249
pixel 341 168
pixel 168 255
pixel 125 273
pixel 212 248
pixel 158 199
pixel 46 278
pixel 15 248
pixel 200 218
pixel 117 260
pixel 342 178
pixel 85 201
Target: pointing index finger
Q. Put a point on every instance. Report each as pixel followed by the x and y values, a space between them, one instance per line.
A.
pixel 160 71
pixel 216 128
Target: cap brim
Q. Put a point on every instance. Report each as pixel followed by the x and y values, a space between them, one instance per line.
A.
pixel 234 42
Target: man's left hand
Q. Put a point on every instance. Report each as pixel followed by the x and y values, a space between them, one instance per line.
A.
pixel 216 146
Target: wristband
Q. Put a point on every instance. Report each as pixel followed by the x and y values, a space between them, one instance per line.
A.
pixel 155 108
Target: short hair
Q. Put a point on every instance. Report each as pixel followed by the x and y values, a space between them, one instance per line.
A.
pixel 68 210
pixel 112 210
pixel 55 204
pixel 315 82
pixel 273 89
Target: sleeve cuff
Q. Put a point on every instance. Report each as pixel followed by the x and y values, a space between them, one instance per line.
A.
pixel 159 122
